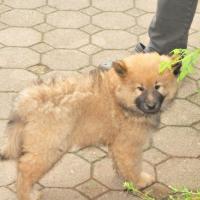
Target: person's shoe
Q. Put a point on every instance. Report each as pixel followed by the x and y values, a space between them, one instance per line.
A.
pixel 140 48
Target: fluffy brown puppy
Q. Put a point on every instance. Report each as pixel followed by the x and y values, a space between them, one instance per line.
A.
pixel 118 108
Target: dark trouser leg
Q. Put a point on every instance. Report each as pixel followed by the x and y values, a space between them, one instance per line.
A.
pixel 170 26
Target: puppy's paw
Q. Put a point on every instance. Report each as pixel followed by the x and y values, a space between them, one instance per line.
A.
pixel 145 180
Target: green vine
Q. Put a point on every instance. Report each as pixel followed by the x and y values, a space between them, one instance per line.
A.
pixel 187 58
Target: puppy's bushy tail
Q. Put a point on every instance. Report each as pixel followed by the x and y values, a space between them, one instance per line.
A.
pixel 12 148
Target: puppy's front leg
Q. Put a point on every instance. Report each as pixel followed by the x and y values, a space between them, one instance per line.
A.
pixel 127 155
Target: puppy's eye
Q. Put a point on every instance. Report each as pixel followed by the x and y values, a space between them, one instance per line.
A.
pixel 157 87
pixel 140 88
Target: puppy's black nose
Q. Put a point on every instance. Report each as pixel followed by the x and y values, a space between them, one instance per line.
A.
pixel 151 106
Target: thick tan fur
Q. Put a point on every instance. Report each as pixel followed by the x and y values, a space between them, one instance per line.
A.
pixel 49 118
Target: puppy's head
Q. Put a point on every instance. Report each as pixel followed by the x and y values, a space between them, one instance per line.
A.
pixel 139 86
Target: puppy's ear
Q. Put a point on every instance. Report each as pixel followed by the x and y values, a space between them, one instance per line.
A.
pixel 176 68
pixel 120 68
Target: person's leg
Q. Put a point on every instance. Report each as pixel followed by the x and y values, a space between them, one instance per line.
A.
pixel 170 25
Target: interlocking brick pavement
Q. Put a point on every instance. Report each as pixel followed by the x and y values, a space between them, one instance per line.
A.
pixel 39 38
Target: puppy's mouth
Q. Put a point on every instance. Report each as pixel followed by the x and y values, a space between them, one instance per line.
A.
pixel 146 108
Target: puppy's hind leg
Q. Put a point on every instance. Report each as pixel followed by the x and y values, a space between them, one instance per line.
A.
pixel 31 167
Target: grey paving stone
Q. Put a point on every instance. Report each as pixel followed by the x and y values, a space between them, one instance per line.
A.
pixel 44 27
pixel 61 194
pixel 181 113
pixel 15 36
pixel 108 55
pixel 114 39
pixel 3 136
pixel 25 3
pixel 158 191
pixel 195 98
pixel 91 154
pixel 66 38
pixel 6 100
pixel 68 172
pixel 91 29
pixel 42 47
pixel 113 5
pixel 6 194
pixel 69 4
pixel 104 173
pixel 150 5
pixel 110 20
pixel 137 30
pixel 135 12
pixel 68 19
pixel 195 22
pixel 65 59
pixel 4 8
pixel 18 79
pixel 16 57
pixel 92 188
pixel 46 9
pixel 179 172
pixel 154 156
pixel 90 11
pixel 90 49
pixel 145 20
pixel 39 69
pixel 178 141
pixel 193 39
pixel 7 172
pixel 14 18
pixel 116 195
pixel 187 88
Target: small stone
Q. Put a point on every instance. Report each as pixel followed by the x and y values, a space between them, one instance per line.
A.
pixel 90 49
pixel 90 11
pixel 92 188
pixel 137 30
pixel 44 27
pixel 39 69
pixel 42 47
pixel 91 154
pixel 135 12
pixel 154 156
pixel 91 29
pixel 46 9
